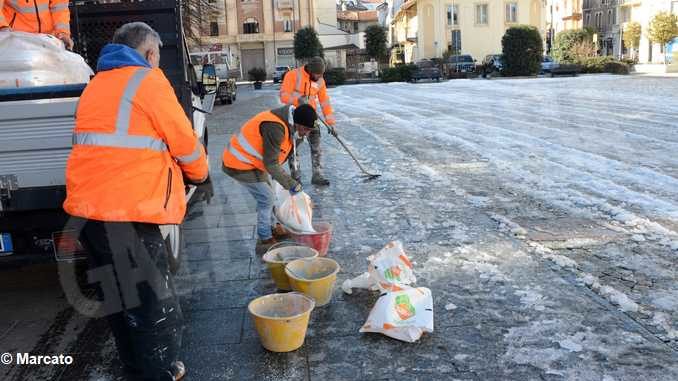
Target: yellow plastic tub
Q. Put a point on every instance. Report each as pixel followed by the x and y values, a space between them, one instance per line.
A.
pixel 277 258
pixel 281 320
pixel 314 277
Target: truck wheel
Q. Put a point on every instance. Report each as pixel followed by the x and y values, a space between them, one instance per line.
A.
pixel 174 242
pixel 229 100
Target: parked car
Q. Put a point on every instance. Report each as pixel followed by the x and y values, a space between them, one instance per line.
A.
pixel 547 65
pixel 368 69
pixel 279 73
pixel 463 63
pixel 494 62
pixel 426 69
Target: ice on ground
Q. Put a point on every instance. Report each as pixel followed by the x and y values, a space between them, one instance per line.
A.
pixel 619 298
pixel 570 345
pixel 532 299
pixel 505 223
pixel 662 320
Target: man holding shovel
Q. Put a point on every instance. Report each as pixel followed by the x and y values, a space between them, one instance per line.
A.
pixel 257 151
pixel 306 85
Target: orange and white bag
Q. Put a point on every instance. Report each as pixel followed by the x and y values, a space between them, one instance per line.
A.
pixel 390 269
pixel 295 212
pixel 404 315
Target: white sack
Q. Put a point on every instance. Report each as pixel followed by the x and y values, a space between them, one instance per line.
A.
pixel 30 59
pixel 390 268
pixel 361 281
pixel 404 315
pixel 295 212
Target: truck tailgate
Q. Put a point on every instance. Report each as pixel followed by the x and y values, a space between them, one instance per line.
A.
pixel 35 140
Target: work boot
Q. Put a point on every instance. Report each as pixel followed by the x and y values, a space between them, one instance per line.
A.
pixel 178 370
pixel 263 245
pixel 279 232
pixel 318 179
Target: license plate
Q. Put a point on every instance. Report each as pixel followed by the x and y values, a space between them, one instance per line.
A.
pixel 6 247
pixel 67 247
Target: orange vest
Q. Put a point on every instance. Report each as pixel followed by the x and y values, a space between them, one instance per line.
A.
pixel 36 16
pixel 132 145
pixel 297 85
pixel 245 151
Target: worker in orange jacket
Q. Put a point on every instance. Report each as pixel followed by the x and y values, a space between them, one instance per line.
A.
pixel 37 16
pixel 306 85
pixel 132 148
pixel 258 151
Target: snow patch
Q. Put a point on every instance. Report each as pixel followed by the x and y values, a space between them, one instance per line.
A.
pixel 570 345
pixel 450 306
pixel 619 298
pixel 662 320
pixel 506 224
pixel 532 299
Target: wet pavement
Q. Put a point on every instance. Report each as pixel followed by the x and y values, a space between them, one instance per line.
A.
pixel 507 303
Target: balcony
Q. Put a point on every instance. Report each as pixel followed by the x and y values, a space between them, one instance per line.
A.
pixel 284 4
pixel 629 3
pixel 574 16
pixel 253 37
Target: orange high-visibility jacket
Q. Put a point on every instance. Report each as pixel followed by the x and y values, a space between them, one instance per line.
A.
pixel 132 145
pixel 245 151
pixel 36 16
pixel 298 84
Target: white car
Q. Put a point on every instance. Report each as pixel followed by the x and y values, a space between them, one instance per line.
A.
pixel 370 69
pixel 279 73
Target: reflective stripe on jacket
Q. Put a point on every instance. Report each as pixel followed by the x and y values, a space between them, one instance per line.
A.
pixel 36 16
pixel 132 146
pixel 297 86
pixel 245 150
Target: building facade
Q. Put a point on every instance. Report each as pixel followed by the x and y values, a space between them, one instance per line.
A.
pixel 562 15
pixel 602 16
pixel 351 21
pixel 642 12
pixel 473 27
pixel 260 33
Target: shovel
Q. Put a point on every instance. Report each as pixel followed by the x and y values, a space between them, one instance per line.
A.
pixel 370 176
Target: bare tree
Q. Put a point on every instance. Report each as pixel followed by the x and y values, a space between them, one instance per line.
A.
pixel 196 15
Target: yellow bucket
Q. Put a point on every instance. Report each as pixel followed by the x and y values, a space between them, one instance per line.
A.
pixel 314 277
pixel 281 320
pixel 277 258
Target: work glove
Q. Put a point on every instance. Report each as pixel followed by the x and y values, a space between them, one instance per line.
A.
pixel 68 42
pixel 204 191
pixel 331 130
pixel 296 189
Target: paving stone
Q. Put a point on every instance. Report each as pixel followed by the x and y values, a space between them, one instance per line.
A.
pixel 221 270
pixel 245 361
pixel 212 327
pixel 229 233
pixel 229 294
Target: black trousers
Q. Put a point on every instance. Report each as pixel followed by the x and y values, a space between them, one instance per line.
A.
pixel 144 314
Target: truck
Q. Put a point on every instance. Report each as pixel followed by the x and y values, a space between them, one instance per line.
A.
pixel 226 73
pixel 36 125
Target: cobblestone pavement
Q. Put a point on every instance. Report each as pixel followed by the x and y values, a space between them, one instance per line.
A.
pixel 523 288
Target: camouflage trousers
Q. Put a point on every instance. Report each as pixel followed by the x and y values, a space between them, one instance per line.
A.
pixel 316 154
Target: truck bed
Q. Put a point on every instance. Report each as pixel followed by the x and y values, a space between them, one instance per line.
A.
pixel 36 140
